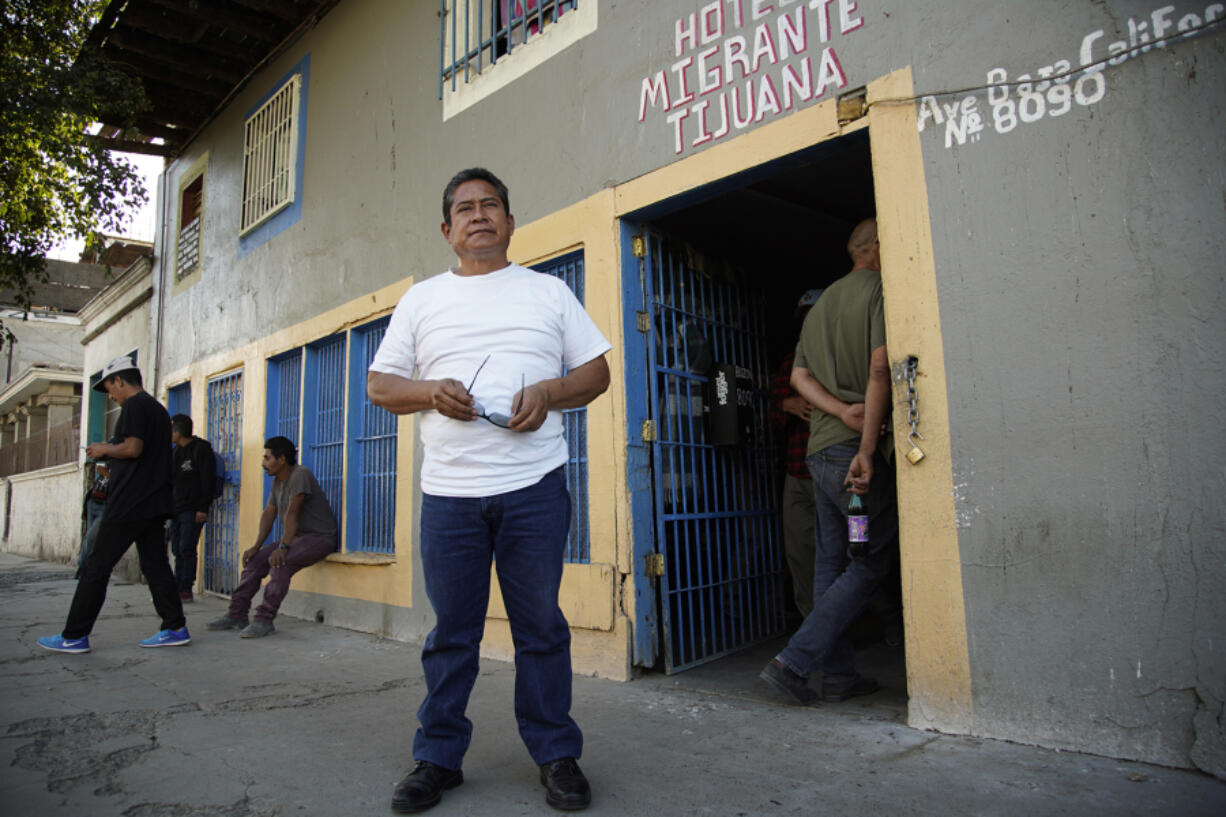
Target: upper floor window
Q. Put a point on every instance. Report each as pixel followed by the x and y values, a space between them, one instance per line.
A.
pixel 191 212
pixel 477 34
pixel 270 142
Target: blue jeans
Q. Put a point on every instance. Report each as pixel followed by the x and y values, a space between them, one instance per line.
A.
pixel 184 537
pixel 93 517
pixel 842 584
pixel 524 533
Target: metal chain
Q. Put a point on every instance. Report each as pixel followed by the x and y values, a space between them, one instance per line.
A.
pixel 910 367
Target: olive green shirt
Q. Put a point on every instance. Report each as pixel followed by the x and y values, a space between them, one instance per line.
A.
pixel 836 345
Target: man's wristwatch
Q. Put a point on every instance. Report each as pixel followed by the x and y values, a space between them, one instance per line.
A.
pixel 282 546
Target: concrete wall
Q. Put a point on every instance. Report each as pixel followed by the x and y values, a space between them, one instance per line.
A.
pixel 1065 324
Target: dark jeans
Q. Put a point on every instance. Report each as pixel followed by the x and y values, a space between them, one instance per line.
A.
pixel 842 584
pixel 524 533
pixel 112 543
pixel 184 537
pixel 304 551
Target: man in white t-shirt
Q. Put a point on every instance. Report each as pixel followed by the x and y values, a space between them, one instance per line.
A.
pixel 490 353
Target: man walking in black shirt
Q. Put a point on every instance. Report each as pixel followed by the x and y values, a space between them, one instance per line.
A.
pixel 137 506
pixel 194 470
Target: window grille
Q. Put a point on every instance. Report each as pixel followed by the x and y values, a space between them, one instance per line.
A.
pixel 477 33
pixel 224 395
pixel 569 268
pixel 179 399
pixel 371 490
pixel 187 250
pixel 282 408
pixel 270 139
pixel 323 421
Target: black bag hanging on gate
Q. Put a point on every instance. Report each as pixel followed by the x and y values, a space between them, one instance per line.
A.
pixel 729 405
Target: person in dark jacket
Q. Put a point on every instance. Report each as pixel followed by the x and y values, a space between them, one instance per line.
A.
pixel 195 477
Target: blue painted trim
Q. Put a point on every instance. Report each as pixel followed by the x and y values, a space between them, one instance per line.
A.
pixel 293 213
pixel 638 453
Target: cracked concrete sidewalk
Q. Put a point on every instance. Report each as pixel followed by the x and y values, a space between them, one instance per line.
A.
pixel 319 721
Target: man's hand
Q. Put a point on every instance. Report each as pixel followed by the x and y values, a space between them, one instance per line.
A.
pixel 797 406
pixel 451 399
pixel 277 557
pixel 531 407
pixel 95 450
pixel 859 473
pixel 853 416
pixel 249 554
pixel 201 517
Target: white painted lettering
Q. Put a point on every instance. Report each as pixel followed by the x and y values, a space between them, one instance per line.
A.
pixel 797 86
pixel 1214 12
pixel 823 18
pixel 1138 36
pixel 699 109
pixel 675 119
pixel 738 14
pixel 686 33
pixel 710 77
pixel 1031 105
pixel 1187 23
pixel 793 33
pixel 998 92
pixel 683 88
pixel 847 23
pixel 828 71
pixel 655 91
pixel 1119 50
pixel 1059 99
pixel 1161 23
pixel 1090 88
pixel 763 46
pixel 929 109
pixel 739 121
pixel 1087 47
pixel 767 98
pixel 734 54
pixel 706 15
pixel 1004 116
pixel 724 127
pixel 758 12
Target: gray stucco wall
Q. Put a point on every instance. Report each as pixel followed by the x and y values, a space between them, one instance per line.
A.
pixel 1079 272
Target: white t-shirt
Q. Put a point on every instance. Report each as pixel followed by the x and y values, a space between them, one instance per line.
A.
pixel 531 326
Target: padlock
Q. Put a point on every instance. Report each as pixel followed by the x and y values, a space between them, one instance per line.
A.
pixel 915 455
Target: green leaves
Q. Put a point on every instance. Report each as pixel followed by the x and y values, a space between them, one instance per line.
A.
pixel 54 182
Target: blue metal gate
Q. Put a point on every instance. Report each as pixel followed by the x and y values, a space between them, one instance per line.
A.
pixel 717 552
pixel 225 424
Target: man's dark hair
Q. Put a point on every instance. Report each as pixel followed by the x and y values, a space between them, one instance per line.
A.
pixel 283 449
pixel 473 174
pixel 182 424
pixel 131 376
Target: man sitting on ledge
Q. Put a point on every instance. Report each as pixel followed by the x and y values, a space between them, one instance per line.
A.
pixel 308 534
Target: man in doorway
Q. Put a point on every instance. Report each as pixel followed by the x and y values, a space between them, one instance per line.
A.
pixel 841 360
pixel 195 472
pixel 492 479
pixel 137 505
pixel 308 534
pixel 790 412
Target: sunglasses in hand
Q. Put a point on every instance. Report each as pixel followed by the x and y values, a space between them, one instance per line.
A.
pixel 496 418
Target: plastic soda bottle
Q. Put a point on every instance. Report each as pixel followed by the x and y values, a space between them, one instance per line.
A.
pixel 857 525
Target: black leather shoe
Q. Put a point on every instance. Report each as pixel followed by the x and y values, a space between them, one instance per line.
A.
pixel 841 692
pixel 423 787
pixel 565 786
pixel 789 683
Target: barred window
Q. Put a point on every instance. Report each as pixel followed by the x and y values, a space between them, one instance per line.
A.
pixel 187 250
pixel 270 139
pixel 478 33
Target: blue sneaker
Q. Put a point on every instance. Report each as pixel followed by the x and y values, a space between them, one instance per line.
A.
pixel 168 638
pixel 57 643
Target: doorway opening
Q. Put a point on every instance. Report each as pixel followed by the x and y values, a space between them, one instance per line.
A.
pixel 715 282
